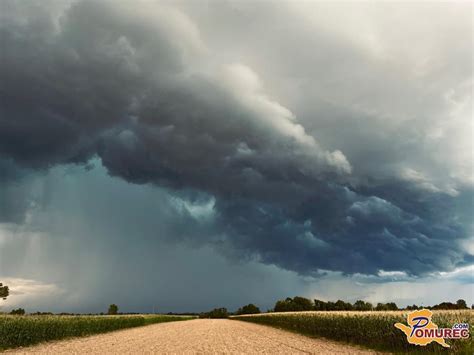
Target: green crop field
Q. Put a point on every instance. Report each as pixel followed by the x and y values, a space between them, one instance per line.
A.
pixel 18 331
pixel 373 330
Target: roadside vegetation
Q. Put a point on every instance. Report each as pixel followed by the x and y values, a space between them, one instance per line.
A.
pixel 362 323
pixel 215 313
pixel 24 330
pixel 371 329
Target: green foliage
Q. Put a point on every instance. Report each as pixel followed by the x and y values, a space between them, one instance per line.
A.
pixel 294 304
pixel 342 306
pixel 18 312
pixel 4 291
pixel 357 306
pixel 248 309
pixel 216 313
pixel 113 309
pixel 370 329
pixel 391 306
pixel 18 331
pixel 460 304
pixel 362 306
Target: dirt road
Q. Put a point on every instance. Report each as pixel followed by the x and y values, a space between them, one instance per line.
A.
pixel 202 336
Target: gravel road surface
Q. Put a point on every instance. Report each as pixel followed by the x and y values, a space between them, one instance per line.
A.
pixel 199 336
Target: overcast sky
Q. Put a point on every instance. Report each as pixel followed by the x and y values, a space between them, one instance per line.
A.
pixel 184 155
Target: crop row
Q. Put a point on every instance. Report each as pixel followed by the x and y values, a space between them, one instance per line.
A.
pixel 18 331
pixel 369 329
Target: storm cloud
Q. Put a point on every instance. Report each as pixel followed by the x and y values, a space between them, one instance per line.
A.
pixel 285 139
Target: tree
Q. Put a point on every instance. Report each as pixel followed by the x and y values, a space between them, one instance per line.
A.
pixel 320 305
pixel 446 305
pixel 215 313
pixel 4 291
pixel 295 304
pixel 461 304
pixel 302 304
pixel 113 309
pixel 283 305
pixel 18 312
pixel 391 306
pixel 248 309
pixel 342 306
pixel 360 305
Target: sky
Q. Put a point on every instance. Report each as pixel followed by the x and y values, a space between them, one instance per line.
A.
pixel 181 155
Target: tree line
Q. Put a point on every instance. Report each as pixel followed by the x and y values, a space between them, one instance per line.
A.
pixel 297 304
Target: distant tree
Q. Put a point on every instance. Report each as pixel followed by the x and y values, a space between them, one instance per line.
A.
pixel 295 304
pixel 49 314
pixel 113 309
pixel 283 305
pixel 248 309
pixel 18 312
pixel 320 305
pixel 461 304
pixel 360 305
pixel 445 305
pixel 215 313
pixel 342 306
pixel 391 306
pixel 302 304
pixel 4 291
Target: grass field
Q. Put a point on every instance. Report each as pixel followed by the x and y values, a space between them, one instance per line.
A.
pixel 18 331
pixel 373 330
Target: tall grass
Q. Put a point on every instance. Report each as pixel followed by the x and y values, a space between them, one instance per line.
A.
pixel 369 329
pixel 18 331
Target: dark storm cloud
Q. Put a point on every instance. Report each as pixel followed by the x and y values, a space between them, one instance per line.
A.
pixel 138 87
